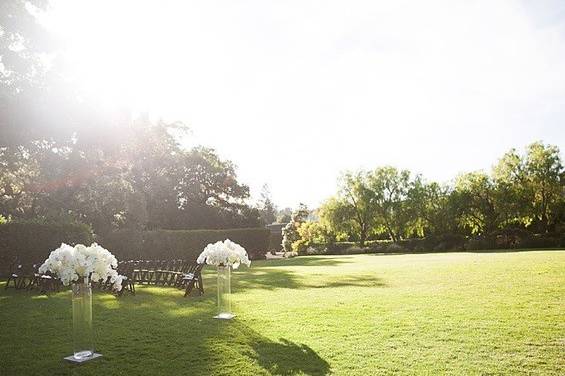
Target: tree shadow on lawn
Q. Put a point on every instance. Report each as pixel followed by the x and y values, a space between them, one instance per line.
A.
pixel 307 261
pixel 232 347
pixel 271 274
pixel 270 279
pixel 145 334
pixel 363 280
pixel 288 358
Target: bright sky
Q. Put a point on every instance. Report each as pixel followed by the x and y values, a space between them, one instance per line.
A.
pixel 294 92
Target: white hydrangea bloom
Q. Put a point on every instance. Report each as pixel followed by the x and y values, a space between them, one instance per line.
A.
pixel 224 253
pixel 71 263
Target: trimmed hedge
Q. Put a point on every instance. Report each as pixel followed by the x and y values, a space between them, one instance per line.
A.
pixel 503 239
pixel 31 242
pixel 515 240
pixel 275 242
pixel 182 244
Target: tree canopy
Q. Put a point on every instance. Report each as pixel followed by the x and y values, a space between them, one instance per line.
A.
pixel 148 182
pixel 65 158
pixel 525 191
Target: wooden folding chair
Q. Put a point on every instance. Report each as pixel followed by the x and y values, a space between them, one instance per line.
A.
pixel 161 272
pixel 126 269
pixel 15 275
pixel 44 282
pixel 144 273
pixel 174 273
pixel 36 279
pixel 185 268
pixel 194 280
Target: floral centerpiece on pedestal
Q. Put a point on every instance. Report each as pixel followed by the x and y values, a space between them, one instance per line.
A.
pixel 224 256
pixel 79 265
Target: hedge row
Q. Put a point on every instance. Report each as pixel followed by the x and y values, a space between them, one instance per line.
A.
pixel 506 239
pixel 182 244
pixel 32 242
pixel 275 242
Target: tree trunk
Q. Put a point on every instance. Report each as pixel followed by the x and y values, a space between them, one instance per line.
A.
pixel 544 221
pixel 391 233
pixel 362 236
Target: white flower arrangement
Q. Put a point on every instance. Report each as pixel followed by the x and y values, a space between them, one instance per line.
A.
pixel 226 253
pixel 71 263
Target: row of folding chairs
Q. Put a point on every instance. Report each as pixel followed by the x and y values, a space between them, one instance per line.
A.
pixel 175 273
pixel 27 277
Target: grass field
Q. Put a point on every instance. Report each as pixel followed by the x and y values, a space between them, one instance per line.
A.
pixel 451 313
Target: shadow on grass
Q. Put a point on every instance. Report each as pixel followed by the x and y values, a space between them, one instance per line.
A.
pixel 157 331
pixel 348 281
pixel 153 332
pixel 287 358
pixel 271 274
pixel 307 261
pixel 270 279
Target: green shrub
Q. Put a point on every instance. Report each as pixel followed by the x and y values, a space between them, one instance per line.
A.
pixel 395 247
pixel 31 242
pixel 337 248
pixel 443 242
pixel 513 239
pixel 340 248
pixel 480 243
pixel 562 240
pixel 310 234
pixel 355 250
pixel 318 249
pixel 182 244
pixel 544 241
pixel 502 239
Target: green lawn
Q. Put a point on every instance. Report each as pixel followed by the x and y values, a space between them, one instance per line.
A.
pixel 451 313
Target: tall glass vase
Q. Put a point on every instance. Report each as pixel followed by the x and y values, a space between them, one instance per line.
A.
pixel 224 293
pixel 83 336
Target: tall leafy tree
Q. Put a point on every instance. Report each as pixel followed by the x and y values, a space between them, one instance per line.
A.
pixel 390 188
pixel 543 170
pixel 22 44
pixel 433 210
pixel 284 215
pixel 208 191
pixel 478 200
pixel 509 178
pixel 372 202
pixel 267 208
pixel 339 217
pixel 353 211
pixel 290 231
pixel 530 186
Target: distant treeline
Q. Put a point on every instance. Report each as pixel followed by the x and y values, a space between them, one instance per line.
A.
pixel 523 192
